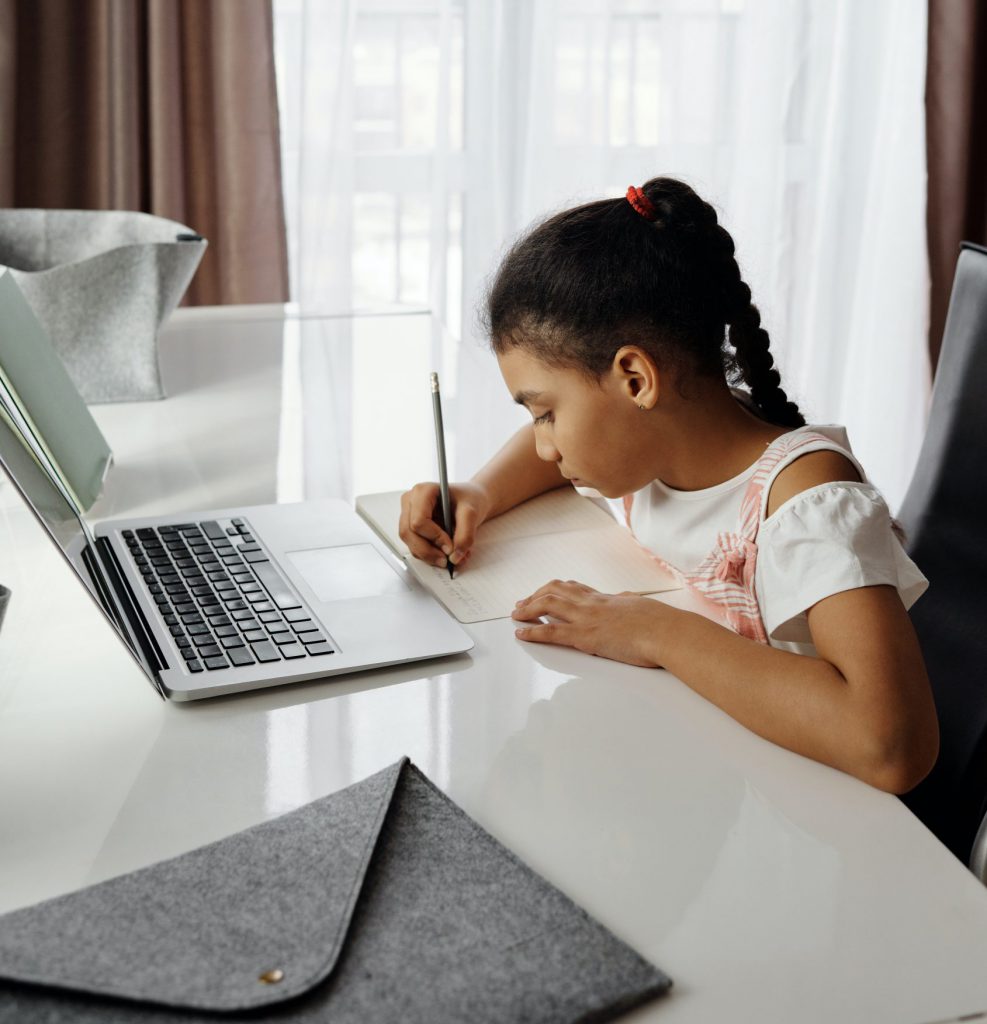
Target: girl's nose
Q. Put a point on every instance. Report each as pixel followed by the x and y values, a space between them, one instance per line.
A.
pixel 546 451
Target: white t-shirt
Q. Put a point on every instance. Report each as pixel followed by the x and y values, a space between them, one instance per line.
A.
pixel 825 540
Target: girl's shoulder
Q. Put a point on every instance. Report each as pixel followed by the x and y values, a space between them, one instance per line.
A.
pixel 802 460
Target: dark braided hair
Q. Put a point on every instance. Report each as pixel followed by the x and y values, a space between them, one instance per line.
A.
pixel 589 280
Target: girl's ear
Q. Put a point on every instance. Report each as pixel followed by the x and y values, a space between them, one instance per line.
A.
pixel 637 376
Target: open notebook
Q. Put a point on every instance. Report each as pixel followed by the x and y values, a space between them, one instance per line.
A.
pixel 558 535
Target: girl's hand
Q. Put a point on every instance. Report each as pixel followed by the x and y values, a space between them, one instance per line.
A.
pixel 421 509
pixel 623 627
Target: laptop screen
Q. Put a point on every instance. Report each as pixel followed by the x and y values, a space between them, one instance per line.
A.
pixel 31 475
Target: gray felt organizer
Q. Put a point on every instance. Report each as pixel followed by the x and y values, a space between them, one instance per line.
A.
pixel 382 902
pixel 101 283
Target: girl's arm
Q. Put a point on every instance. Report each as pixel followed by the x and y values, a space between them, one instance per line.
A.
pixel 864 705
pixel 513 475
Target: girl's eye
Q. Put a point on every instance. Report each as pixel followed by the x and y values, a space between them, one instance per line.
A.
pixel 546 417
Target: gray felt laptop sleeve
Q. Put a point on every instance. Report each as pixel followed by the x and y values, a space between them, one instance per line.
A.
pixel 382 902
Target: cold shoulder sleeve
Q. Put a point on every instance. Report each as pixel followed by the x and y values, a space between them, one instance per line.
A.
pixel 826 540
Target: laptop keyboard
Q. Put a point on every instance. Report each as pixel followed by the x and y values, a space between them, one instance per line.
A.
pixel 223 600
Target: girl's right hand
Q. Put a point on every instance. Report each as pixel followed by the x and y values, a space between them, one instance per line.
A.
pixel 421 512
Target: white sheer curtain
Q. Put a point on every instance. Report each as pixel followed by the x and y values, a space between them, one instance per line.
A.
pixel 420 136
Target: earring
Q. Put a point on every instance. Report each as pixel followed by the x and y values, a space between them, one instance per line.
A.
pixel 641 407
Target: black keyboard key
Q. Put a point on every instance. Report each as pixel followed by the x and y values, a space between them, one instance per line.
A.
pixel 219 620
pixel 254 635
pixel 183 641
pixel 237 522
pixel 248 624
pixel 259 598
pixel 204 640
pixel 283 638
pixel 277 627
pixel 250 588
pixel 265 651
pixel 224 585
pixel 208 600
pixel 293 651
pixel 236 606
pixel 226 631
pixel 296 614
pixel 311 638
pixel 304 626
pixel 247 548
pixel 194 666
pixel 264 606
pixel 145 531
pixel 232 531
pixel 242 614
pixel 254 557
pixel 161 599
pixel 184 563
pixel 192 618
pixel 188 653
pixel 170 620
pixel 216 662
pixel 320 648
pixel 242 577
pixel 210 651
pixel 198 629
pixel 269 616
pixel 177 631
pixel 219 576
pixel 154 588
pixel 240 656
pixel 213 530
pixel 231 641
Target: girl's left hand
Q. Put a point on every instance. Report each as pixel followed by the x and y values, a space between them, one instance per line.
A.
pixel 623 627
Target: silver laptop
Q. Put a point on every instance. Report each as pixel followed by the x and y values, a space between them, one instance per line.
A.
pixel 228 600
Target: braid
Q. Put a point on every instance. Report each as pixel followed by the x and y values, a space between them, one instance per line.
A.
pixel 755 362
pixel 752 361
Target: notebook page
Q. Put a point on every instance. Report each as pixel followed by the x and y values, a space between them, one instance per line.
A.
pixel 505 566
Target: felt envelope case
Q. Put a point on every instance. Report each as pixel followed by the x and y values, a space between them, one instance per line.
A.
pixel 382 902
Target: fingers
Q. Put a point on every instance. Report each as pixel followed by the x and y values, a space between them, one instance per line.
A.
pixel 423 535
pixel 561 633
pixel 467 521
pixel 546 604
pixel 566 588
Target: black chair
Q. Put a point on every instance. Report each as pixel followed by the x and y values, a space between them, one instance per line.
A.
pixel 945 517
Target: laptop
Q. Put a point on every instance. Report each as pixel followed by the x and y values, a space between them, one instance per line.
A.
pixel 226 600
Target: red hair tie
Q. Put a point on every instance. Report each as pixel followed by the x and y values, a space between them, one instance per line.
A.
pixel 641 203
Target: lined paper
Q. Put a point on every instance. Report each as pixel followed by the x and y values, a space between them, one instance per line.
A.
pixel 558 535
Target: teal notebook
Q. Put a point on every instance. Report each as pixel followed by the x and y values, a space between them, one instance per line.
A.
pixel 42 398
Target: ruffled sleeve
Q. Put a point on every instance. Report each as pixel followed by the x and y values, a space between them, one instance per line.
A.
pixel 827 539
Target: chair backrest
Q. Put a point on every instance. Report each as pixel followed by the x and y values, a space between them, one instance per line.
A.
pixel 945 517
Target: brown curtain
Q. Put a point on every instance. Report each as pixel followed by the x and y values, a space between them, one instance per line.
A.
pixel 165 106
pixel 956 144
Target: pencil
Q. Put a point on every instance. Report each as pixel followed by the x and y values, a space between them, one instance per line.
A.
pixel 440 447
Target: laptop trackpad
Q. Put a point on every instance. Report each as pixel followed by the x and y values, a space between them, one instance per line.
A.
pixel 343 573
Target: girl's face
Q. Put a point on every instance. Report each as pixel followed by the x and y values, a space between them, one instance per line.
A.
pixel 592 431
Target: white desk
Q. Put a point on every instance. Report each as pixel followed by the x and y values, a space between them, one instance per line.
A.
pixel 771 888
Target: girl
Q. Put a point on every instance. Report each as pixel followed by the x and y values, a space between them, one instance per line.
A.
pixel 621 326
